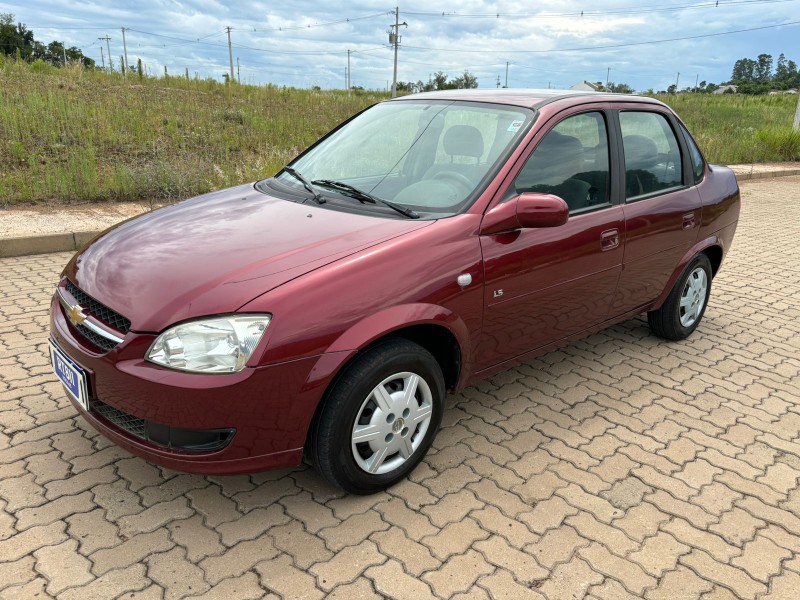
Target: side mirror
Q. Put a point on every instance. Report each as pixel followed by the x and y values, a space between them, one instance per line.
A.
pixel 541 210
pixel 528 210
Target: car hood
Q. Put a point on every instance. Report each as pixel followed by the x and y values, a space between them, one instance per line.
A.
pixel 214 253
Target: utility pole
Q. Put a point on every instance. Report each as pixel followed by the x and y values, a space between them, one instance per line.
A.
pixel 608 74
pixel 108 47
pixel 506 85
pixel 102 58
pixel 394 38
pixel 238 72
pixel 125 50
pixel 347 79
pixel 696 80
pixel 677 79
pixel 230 50
pixel 64 52
pixel 797 115
pixel 498 81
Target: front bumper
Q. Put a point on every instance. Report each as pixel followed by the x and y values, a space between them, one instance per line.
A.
pixel 266 410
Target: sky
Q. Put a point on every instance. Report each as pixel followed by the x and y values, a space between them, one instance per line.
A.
pixel 305 43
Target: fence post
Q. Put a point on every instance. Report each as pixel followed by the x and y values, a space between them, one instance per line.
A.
pixel 797 115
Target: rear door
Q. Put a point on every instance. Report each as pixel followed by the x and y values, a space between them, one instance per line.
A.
pixel 541 285
pixel 662 206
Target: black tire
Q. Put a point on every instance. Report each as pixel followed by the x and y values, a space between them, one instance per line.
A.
pixel 330 447
pixel 666 322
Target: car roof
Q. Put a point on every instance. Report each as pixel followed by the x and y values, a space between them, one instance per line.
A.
pixel 529 98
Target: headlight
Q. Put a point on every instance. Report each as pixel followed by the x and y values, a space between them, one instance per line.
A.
pixel 218 345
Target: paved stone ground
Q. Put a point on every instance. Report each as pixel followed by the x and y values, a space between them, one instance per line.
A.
pixel 619 467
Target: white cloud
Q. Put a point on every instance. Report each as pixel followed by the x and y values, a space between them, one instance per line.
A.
pixel 190 34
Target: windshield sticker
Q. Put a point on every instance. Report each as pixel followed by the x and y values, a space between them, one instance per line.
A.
pixel 515 126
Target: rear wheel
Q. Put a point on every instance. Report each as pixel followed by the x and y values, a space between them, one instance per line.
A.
pixel 380 418
pixel 683 309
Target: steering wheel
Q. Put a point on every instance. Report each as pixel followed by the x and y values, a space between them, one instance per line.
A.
pixel 455 178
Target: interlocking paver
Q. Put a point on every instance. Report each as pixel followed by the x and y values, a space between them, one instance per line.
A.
pixel 245 587
pixel 347 564
pixel 393 582
pixel 556 546
pixel 727 576
pixel 522 565
pixel 62 566
pixel 619 466
pixel 130 552
pixel 286 580
pixel 415 557
pixel 17 573
pixel 238 559
pixel 502 586
pixel 176 574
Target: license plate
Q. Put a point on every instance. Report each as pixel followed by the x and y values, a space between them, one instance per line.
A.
pixel 71 375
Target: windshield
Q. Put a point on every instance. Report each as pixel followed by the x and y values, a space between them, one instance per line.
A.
pixel 429 156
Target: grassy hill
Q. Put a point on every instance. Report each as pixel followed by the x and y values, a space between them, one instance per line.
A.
pixel 73 135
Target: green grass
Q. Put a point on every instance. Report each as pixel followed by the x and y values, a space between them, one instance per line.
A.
pixel 737 129
pixel 72 135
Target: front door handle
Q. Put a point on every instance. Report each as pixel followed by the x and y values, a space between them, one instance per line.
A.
pixel 609 239
pixel 688 220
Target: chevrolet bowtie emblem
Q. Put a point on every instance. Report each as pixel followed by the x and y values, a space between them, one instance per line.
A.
pixel 75 315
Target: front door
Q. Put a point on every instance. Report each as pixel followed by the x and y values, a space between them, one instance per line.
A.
pixel 543 285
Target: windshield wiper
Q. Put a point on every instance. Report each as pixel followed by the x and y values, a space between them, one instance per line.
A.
pixel 363 196
pixel 306 184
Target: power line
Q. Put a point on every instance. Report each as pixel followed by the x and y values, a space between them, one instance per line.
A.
pixel 594 13
pixel 607 46
pixel 313 25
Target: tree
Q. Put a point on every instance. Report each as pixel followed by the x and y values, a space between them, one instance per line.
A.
pixel 15 38
pixel 744 70
pixel 619 88
pixel 18 40
pixel 763 69
pixel 141 72
pixel 467 81
pixel 440 81
pixel 672 89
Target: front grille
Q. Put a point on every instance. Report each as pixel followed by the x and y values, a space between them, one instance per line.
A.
pixel 98 310
pixel 95 338
pixel 133 425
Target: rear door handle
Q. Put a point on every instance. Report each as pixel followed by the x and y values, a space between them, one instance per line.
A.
pixel 609 239
pixel 688 220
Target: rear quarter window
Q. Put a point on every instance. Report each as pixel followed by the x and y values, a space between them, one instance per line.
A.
pixel 698 166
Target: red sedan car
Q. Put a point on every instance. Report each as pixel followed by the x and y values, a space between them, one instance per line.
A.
pixel 424 244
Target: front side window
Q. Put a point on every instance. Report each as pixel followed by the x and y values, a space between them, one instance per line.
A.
pixel 429 156
pixel 652 154
pixel 570 162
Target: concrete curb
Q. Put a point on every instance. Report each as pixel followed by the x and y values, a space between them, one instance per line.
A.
pixel 44 244
pixel 746 176
pixel 70 242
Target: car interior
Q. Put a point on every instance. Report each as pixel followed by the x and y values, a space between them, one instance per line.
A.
pixel 562 166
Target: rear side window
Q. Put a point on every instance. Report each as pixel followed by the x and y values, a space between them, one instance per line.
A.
pixel 652 154
pixel 694 153
pixel 571 162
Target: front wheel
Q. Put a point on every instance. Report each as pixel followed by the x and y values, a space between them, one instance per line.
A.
pixel 379 419
pixel 683 309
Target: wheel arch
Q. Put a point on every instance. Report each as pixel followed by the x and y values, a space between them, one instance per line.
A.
pixel 712 246
pixel 441 332
pixel 714 254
